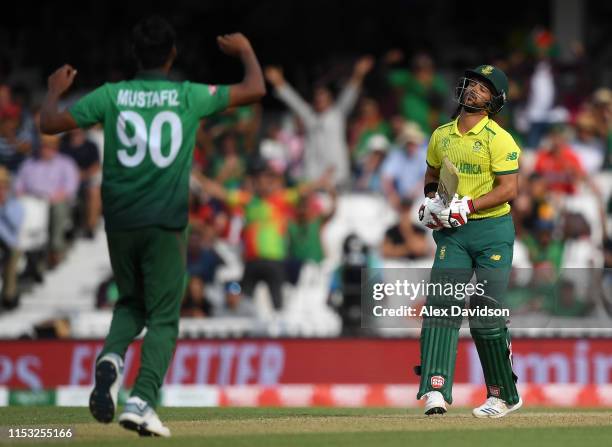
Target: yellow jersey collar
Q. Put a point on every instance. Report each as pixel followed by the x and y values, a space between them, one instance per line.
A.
pixel 474 130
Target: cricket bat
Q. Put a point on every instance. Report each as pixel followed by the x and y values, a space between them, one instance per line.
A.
pixel 448 182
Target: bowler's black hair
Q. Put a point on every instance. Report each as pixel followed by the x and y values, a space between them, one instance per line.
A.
pixel 153 39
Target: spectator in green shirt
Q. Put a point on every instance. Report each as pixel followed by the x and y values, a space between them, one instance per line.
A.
pixel 564 302
pixel 228 167
pixel 305 234
pixel 369 122
pixel 422 91
pixel 267 208
pixel 545 251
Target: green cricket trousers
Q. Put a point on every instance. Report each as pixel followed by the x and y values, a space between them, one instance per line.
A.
pixel 149 265
pixel 482 247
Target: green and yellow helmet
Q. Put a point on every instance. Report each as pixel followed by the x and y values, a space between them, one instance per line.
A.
pixel 494 78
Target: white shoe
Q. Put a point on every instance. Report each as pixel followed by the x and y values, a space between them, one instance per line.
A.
pixel 434 403
pixel 495 407
pixel 140 417
pixel 103 398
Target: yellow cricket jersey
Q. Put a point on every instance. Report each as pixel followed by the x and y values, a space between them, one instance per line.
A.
pixel 482 153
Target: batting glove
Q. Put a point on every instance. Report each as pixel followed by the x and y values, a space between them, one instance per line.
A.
pixel 457 213
pixel 429 211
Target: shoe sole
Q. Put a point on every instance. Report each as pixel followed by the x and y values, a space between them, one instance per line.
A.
pixel 101 403
pixel 138 428
pixel 435 410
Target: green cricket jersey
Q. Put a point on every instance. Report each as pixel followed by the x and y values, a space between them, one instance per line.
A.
pixel 150 125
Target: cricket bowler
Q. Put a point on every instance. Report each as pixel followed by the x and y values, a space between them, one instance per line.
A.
pixel 149 124
pixel 473 234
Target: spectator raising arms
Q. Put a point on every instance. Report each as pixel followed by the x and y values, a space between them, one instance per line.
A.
pixel 267 211
pixel 325 121
pixel 305 244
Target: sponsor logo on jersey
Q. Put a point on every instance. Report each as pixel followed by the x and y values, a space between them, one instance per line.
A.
pixel 437 382
pixel 495 257
pixel 469 168
pixel 442 254
pixel 511 156
pixel 494 391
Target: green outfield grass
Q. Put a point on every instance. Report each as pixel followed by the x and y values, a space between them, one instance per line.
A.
pixel 379 427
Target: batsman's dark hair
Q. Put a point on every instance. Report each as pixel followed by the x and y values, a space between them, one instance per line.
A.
pixel 152 41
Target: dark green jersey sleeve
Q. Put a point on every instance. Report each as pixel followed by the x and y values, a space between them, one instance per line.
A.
pixel 90 109
pixel 209 99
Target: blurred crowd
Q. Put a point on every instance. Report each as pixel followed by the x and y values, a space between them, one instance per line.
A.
pixel 266 182
pixel 49 195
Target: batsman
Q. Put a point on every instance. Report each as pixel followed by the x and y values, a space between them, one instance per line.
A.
pixel 474 235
